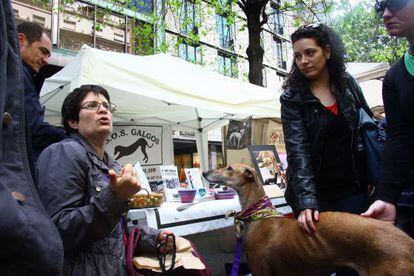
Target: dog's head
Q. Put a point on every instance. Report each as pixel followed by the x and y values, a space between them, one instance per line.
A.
pixel 236 176
pixel 117 150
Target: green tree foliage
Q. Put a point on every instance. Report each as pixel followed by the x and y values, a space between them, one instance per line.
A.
pixel 149 37
pixel 364 35
pixel 309 11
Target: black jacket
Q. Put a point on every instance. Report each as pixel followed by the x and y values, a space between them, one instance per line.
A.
pixel 42 133
pixel 304 126
pixel 29 241
pixel 397 170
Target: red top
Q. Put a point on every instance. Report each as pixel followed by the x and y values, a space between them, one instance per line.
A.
pixel 333 108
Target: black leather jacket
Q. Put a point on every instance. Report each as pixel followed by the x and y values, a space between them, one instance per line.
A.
pixel 304 126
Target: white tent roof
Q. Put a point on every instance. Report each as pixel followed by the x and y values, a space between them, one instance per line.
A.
pixel 159 89
pixel 369 76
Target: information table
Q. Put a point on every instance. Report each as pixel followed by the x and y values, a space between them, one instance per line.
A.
pixel 201 217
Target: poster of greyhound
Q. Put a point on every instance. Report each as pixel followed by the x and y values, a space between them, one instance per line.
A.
pixel 136 143
pixel 239 134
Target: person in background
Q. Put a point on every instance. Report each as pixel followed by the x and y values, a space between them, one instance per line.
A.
pixel 320 121
pixel 85 191
pixel 397 169
pixel 30 242
pixel 35 51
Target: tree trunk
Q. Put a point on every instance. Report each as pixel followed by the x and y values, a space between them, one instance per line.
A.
pixel 256 17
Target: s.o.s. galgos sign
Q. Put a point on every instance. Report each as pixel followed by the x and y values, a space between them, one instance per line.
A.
pixel 138 143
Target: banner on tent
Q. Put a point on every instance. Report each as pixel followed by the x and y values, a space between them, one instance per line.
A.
pixel 136 143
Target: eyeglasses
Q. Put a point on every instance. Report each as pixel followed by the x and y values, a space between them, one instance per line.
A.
pixel 94 105
pixel 391 5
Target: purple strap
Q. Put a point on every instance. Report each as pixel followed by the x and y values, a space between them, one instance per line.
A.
pixel 130 246
pixel 236 262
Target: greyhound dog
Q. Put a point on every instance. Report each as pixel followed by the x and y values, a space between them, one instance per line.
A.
pixel 128 150
pixel 277 246
pixel 236 137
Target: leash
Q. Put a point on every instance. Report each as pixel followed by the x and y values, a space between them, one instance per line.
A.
pixel 260 209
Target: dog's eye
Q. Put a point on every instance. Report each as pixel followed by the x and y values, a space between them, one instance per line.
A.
pixel 229 168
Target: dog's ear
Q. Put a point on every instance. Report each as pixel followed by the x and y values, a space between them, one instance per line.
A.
pixel 248 174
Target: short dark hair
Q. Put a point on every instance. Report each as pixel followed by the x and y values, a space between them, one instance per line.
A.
pixel 72 103
pixel 324 37
pixel 32 31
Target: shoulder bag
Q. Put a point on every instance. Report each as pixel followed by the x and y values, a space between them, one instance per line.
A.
pixel 373 137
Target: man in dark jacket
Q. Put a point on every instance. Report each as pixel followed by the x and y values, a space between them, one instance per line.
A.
pixel 35 50
pixel 29 241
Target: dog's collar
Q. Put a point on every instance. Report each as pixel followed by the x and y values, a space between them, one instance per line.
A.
pixel 261 209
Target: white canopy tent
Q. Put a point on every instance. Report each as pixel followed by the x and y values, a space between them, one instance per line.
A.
pixel 369 76
pixel 163 90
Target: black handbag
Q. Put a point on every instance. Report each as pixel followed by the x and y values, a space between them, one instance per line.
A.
pixel 373 137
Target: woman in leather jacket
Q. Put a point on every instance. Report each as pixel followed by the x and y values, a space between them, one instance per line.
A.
pixel 320 124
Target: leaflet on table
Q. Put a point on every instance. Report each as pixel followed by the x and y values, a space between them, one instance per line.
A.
pixel 142 177
pixel 194 180
pixel 171 182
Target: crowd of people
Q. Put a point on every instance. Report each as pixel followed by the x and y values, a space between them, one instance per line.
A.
pixel 64 199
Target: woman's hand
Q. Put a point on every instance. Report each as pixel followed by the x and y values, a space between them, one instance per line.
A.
pixel 161 241
pixel 381 210
pixel 126 184
pixel 307 220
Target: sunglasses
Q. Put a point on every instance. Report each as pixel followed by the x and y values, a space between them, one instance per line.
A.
pixel 311 26
pixel 391 5
pixel 95 106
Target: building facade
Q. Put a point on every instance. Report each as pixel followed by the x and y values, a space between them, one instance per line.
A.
pixel 196 31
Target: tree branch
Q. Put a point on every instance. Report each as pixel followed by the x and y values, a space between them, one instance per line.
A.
pixel 242 5
pixel 310 9
pixel 264 15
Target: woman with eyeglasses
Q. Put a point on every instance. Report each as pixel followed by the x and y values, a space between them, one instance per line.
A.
pixel 397 170
pixel 85 191
pixel 320 124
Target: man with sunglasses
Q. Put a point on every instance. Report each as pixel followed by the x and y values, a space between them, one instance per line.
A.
pixel 35 50
pixel 397 171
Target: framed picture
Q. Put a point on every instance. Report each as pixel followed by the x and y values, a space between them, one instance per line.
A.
pixel 239 134
pixel 171 182
pixel 267 164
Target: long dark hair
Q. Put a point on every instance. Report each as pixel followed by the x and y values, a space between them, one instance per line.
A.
pixel 324 37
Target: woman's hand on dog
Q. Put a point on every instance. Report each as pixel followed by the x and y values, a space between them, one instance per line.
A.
pixel 381 210
pixel 307 220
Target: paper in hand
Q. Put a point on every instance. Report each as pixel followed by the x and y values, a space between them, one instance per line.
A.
pixel 142 177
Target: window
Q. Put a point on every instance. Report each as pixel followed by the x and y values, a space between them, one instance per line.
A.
pixel 188 18
pixel 119 35
pixel 227 65
pixel 224 31
pixel 281 54
pixel 189 52
pixel 142 38
pixel 264 74
pixel 276 20
pixel 280 78
pixel 141 6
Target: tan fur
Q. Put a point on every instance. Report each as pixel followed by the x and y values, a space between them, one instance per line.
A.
pixel 277 246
